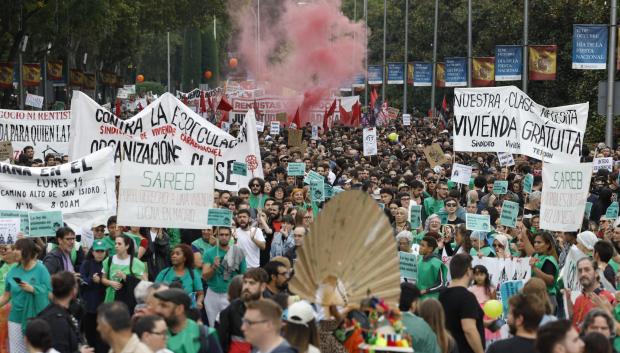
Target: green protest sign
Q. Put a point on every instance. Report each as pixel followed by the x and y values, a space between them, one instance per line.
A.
pixel 408 265
pixel 312 175
pixel 337 190
pixel 478 222
pixel 510 211
pixel 296 169
pixel 415 216
pixel 587 210
pixel 500 187
pixel 329 191
pixel 528 181
pixel 443 216
pixel 24 226
pixel 220 217
pixel 240 168
pixel 317 190
pixel 612 211
pixel 44 223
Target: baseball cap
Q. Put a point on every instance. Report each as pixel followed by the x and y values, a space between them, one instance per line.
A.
pixel 174 295
pixel 300 313
pixel 99 245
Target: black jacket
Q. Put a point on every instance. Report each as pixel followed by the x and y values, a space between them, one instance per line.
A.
pixel 65 334
pixel 230 323
pixel 54 262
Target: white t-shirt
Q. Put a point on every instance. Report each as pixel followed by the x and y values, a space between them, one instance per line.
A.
pixel 250 249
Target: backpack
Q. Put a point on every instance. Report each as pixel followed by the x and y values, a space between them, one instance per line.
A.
pixel 203 338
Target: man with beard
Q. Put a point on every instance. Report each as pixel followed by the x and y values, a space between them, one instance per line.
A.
pixel 278 278
pixel 184 335
pixel 219 265
pixel 250 239
pixel 229 328
pixel 524 315
pixel 593 295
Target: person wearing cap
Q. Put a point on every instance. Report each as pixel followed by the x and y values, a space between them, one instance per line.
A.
pixel 184 334
pixel 92 292
pixel 422 336
pixel 300 330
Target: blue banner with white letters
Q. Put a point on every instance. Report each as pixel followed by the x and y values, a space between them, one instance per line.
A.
pixel 422 74
pixel 456 72
pixel 590 47
pixel 395 73
pixel 508 62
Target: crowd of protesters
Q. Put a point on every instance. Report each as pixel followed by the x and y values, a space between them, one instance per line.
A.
pixel 224 289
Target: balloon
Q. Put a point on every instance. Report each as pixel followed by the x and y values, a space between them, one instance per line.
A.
pixel 393 136
pixel 493 308
pixel 140 78
pixel 233 62
pixel 208 74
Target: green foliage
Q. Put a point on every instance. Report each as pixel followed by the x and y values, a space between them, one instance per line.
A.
pixel 210 56
pixel 146 86
pixel 191 59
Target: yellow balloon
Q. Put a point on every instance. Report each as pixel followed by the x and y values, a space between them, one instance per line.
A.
pixel 393 136
pixel 493 308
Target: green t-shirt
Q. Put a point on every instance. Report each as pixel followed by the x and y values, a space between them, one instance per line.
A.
pixel 138 269
pixel 167 276
pixel 38 277
pixel 432 205
pixel 110 245
pixel 201 245
pixel 422 336
pixel 217 283
pixel 539 264
pixel 4 271
pixel 186 341
pixel 431 273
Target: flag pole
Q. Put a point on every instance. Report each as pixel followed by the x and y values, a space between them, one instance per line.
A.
pixel 366 86
pixel 406 56
pixel 433 85
pixel 524 74
pixel 384 39
pixel 611 74
pixel 469 44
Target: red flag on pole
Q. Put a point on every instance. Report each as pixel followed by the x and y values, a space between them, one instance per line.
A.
pixel 224 105
pixel 344 116
pixel 373 97
pixel 297 119
pixel 185 99
pixel 444 104
pixel 118 108
pixel 331 110
pixel 203 103
pixel 210 101
pixel 356 114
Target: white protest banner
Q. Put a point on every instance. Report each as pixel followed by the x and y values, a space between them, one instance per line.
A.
pixel 46 131
pixel 503 270
pixel 564 196
pixel 504 119
pixel 84 190
pixel 166 132
pixel 165 196
pixel 370 141
pixel 32 100
pixel 603 163
pixel 568 273
pixel 505 159
pixel 461 173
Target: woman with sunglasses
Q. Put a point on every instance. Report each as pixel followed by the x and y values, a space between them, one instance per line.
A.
pixel 451 206
pixel 501 246
pixel 93 292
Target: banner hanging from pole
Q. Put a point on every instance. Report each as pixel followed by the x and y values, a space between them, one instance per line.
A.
pixel 456 72
pixel 508 62
pixel 6 75
pixel 542 62
pixel 440 76
pixel 483 72
pixel 375 74
pixel 395 73
pixel 410 73
pixel 54 70
pixel 32 75
pixel 590 47
pixel 422 74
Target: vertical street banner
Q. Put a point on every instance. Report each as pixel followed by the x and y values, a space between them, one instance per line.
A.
pixel 375 74
pixel 54 70
pixel 108 79
pixel 564 196
pixel 166 132
pixel 83 190
pixel 422 74
pixel 483 71
pixel 90 81
pixel 32 75
pixel 508 62
pixel 46 131
pixel 590 47
pixel 359 80
pixel 6 75
pixel 165 195
pixel 76 78
pixel 395 73
pixel 456 72
pixel 504 119
pixel 440 78
pixel 410 73
pixel 542 62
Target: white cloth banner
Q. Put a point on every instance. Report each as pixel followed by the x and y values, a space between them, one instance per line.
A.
pixel 46 131
pixel 461 173
pixel 502 270
pixel 564 196
pixel 166 132
pixel 370 141
pixel 165 196
pixel 568 273
pixel 504 119
pixel 83 190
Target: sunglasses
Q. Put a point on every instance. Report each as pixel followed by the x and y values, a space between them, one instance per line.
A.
pixel 450 204
pixel 254 185
pixel 431 181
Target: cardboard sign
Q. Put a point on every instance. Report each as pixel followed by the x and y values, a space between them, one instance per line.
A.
pixel 461 173
pixel 9 228
pixel 240 168
pixel 370 141
pixel 317 190
pixel 603 163
pixel 274 128
pixel 500 187
pixel 510 212
pixel 612 211
pixel 220 217
pixel 296 169
pixel 281 117
pixel 44 223
pixel 528 182
pixel 32 100
pixel 23 219
pixel 478 222
pixel 406 119
pixel 294 137
pixel 6 150
pixel 434 155
pixel 505 159
pixel 408 265
pixel 564 196
pixel 415 215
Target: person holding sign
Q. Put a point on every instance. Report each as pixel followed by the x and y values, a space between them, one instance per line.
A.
pixel 479 246
pixel 122 272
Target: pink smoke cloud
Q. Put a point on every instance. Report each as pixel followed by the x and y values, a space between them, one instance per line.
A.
pixel 311 48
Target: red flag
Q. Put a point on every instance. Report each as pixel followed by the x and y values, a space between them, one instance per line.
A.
pixel 331 110
pixel 224 105
pixel 255 106
pixel 373 97
pixel 185 99
pixel 297 119
pixel 140 107
pixel 444 104
pixel 118 107
pixel 344 116
pixel 210 101
pixel 356 114
pixel 203 103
